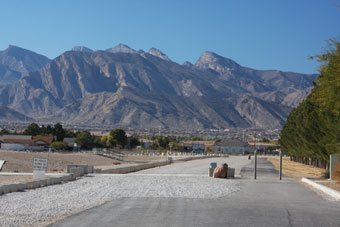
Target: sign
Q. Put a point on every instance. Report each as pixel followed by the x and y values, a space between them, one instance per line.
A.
pixel 40 163
pixel 2 163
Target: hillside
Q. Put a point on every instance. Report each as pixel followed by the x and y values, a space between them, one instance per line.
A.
pixel 16 62
pixel 127 88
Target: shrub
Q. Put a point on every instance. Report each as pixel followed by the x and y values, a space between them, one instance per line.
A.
pixel 58 145
pixel 336 174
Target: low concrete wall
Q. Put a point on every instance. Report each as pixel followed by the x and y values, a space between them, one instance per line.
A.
pixel 21 186
pixel 138 167
pixel 77 171
pixel 192 158
pixel 132 168
pixel 86 168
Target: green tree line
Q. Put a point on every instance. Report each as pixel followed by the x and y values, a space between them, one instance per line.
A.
pixel 312 131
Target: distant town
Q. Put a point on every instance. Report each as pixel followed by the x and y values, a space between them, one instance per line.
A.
pixel 40 137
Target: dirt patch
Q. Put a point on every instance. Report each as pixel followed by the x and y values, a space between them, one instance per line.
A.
pixel 295 169
pixel 331 184
pixel 21 161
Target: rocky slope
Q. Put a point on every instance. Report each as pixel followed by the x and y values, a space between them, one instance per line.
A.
pixel 16 62
pixel 7 114
pixel 127 88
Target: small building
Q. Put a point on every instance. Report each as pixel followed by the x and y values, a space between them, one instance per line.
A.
pixel 232 146
pixel 266 148
pixel 196 146
pixel 145 143
pixel 43 140
pixel 70 141
pixel 23 142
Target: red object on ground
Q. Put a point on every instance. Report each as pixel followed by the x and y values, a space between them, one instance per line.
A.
pixel 221 171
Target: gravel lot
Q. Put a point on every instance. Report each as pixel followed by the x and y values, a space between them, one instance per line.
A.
pixel 183 180
pixel 21 161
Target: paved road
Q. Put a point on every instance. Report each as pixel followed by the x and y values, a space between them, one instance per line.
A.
pixel 264 202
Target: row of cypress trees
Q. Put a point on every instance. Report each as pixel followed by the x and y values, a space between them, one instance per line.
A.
pixel 312 130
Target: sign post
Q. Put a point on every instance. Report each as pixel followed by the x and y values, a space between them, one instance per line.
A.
pixel 39 168
pixel 280 165
pixel 255 163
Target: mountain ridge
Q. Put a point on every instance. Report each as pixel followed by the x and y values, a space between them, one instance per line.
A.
pixel 174 95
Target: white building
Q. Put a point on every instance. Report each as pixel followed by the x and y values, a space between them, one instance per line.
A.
pixel 232 146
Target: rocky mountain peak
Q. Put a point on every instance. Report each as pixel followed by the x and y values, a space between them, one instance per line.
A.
pixel 82 49
pixel 16 51
pixel 121 48
pixel 157 53
pixel 211 60
pixel 16 62
pixel 11 48
pixel 187 63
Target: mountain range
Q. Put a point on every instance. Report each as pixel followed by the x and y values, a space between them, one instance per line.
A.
pixel 123 87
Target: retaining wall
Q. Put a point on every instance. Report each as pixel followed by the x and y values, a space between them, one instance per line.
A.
pixel 21 186
pixel 132 168
pixel 138 167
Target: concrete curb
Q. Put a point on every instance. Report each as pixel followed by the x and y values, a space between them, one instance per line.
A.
pixel 191 158
pixel 132 168
pixel 138 167
pixel 331 192
pixel 21 186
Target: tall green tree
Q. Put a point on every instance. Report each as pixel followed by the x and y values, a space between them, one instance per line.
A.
pixel 163 141
pixel 4 131
pixel 84 139
pixel 134 142
pixel 49 130
pixel 118 136
pixel 312 130
pixel 59 132
pixel 33 130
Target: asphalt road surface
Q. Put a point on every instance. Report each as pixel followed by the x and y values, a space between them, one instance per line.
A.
pixel 262 202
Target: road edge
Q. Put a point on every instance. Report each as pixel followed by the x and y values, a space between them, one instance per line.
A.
pixel 331 192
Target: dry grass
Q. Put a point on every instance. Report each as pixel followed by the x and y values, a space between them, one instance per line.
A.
pixel 336 173
pixel 295 169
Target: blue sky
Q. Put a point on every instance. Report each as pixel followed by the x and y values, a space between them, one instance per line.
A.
pixel 262 34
